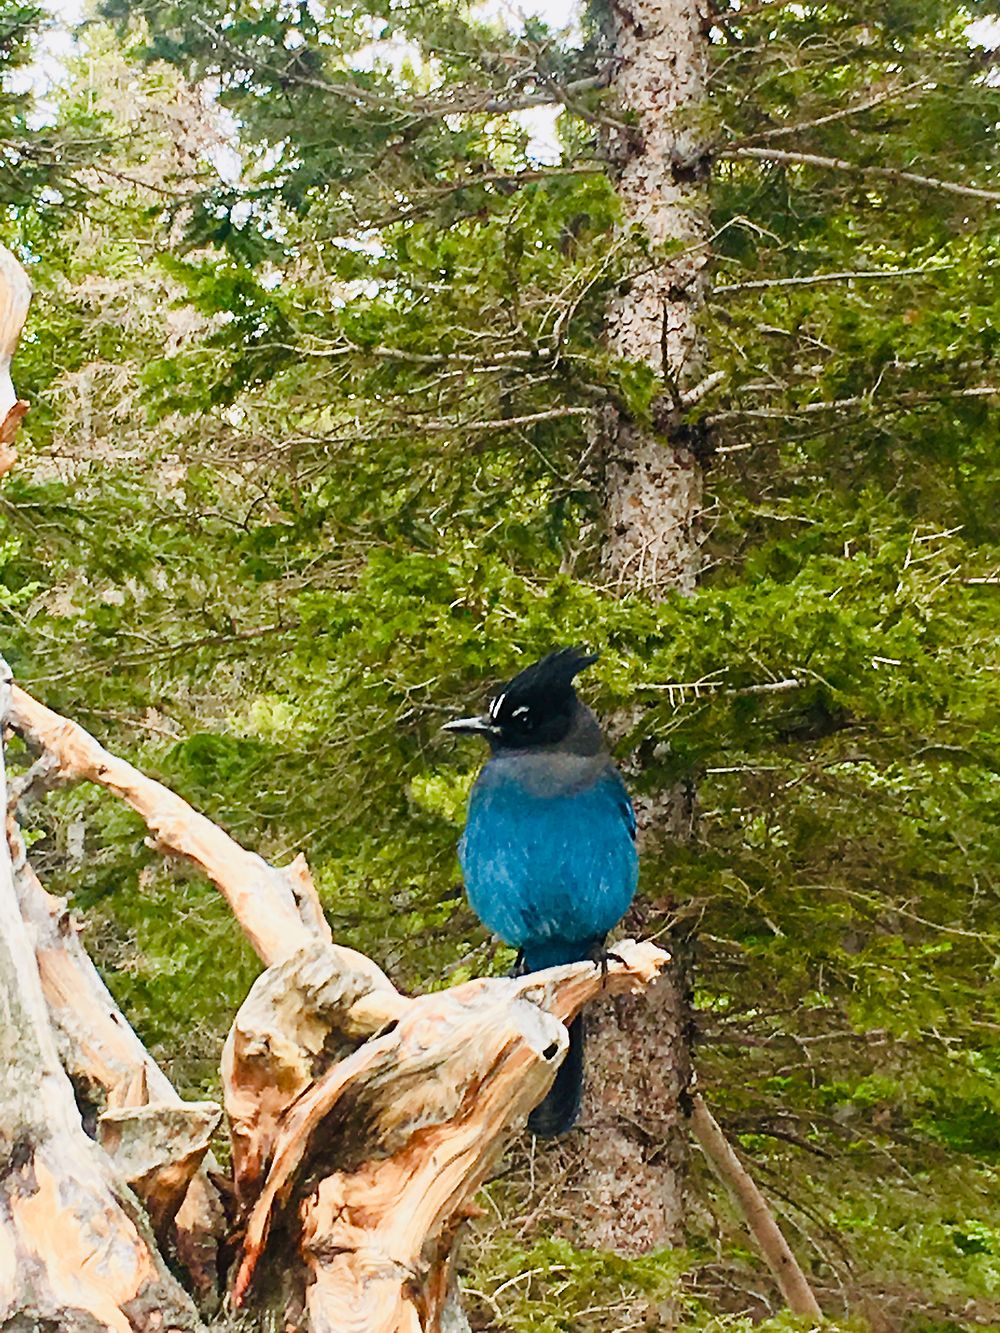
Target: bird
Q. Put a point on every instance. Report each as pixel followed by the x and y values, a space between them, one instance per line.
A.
pixel 548 851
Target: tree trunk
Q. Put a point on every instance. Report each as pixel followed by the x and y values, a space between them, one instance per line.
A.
pixel 635 1150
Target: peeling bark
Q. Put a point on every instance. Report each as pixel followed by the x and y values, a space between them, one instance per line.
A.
pixel 632 1165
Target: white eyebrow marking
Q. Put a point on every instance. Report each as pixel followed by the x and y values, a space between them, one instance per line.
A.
pixel 496 705
pixel 518 711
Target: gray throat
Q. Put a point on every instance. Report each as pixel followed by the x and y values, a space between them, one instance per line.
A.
pixel 565 765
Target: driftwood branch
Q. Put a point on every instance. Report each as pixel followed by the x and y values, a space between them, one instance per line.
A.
pixel 109 1064
pixel 403 1132
pixel 361 1121
pixel 760 1220
pixel 277 910
pixel 75 1252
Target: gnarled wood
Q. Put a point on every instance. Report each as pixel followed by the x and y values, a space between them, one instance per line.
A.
pixel 300 1016
pixel 102 1054
pixel 275 908
pixel 157 1149
pixel 75 1252
pixel 362 1121
pixel 402 1131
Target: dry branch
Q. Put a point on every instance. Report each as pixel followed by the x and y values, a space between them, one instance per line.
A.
pixel 277 908
pixel 760 1220
pixel 104 1057
pixel 404 1130
pixel 362 1122
pixel 868 172
pixel 75 1253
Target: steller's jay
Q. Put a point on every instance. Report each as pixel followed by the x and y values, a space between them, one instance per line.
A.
pixel 548 853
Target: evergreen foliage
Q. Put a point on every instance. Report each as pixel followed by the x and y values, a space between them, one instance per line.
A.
pixel 307 469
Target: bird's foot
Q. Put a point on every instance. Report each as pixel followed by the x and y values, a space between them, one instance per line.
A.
pixel 601 957
pixel 519 969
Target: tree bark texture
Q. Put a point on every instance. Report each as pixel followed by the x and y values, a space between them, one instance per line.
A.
pixel 653 482
pixel 632 1165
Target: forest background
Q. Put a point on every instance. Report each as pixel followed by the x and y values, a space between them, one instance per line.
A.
pixel 306 471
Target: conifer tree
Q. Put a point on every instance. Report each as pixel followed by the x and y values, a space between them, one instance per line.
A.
pixel 320 448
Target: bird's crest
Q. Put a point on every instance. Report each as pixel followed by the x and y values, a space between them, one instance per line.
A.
pixel 544 686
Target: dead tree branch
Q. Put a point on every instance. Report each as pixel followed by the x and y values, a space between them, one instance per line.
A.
pixel 107 1062
pixel 278 910
pixel 860 169
pixel 760 1220
pixel 363 1120
pixel 75 1251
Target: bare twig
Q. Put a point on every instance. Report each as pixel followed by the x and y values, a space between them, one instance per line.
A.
pixel 859 169
pixel 758 1216
pixel 783 131
pixel 504 423
pixel 814 279
pixel 913 399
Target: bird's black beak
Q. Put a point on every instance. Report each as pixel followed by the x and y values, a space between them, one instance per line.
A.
pixel 472 726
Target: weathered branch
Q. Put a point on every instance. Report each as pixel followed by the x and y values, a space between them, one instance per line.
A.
pixel 363 1120
pixel 505 423
pixel 75 1253
pixel 817 279
pixel 403 1130
pixel 278 910
pixel 842 113
pixel 100 1051
pixel 910 398
pixel 760 1220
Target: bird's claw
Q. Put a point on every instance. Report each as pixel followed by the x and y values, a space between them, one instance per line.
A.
pixel 601 957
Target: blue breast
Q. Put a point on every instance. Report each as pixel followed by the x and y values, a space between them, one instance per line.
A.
pixel 549 856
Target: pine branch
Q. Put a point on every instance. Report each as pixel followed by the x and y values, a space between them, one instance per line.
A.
pixel 840 164
pixel 815 279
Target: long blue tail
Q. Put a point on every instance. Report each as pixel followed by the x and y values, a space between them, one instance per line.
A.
pixel 561 1106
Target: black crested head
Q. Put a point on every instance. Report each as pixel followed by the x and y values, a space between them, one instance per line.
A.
pixel 538 706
